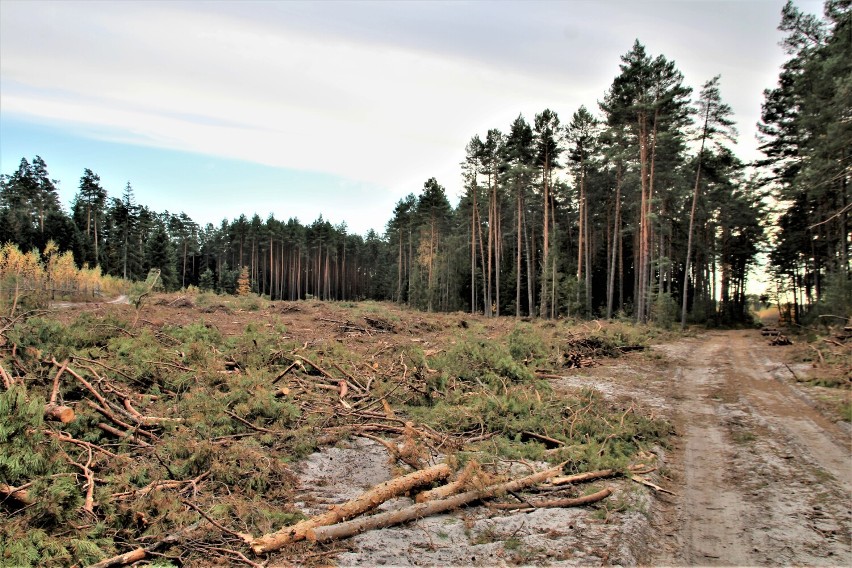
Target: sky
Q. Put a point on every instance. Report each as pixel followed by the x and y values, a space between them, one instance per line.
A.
pixel 339 109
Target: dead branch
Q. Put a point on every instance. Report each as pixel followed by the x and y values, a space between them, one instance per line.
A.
pixel 64 438
pixel 833 342
pixel 367 501
pixel 122 434
pixel 322 371
pixel 548 376
pixel 143 552
pixel 105 366
pixel 395 451
pixel 89 502
pixel 349 376
pixel 546 439
pixel 83 382
pixel 210 520
pixel 250 425
pixel 147 420
pixel 55 392
pixel 420 510
pixel 173 365
pixel 289 368
pixel 581 477
pixel 568 502
pixel 161 485
pixel 7 380
pixel 453 487
pixel 792 372
pixel 654 486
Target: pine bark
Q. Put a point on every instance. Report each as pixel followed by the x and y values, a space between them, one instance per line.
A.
pixel 365 502
pixel 420 510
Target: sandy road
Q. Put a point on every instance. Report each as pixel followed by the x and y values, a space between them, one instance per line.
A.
pixel 764 479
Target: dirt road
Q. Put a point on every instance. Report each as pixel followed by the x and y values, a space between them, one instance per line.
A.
pixel 762 478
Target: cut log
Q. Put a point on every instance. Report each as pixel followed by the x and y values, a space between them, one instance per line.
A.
pixel 59 413
pixel 20 495
pixel 568 502
pixel 365 502
pixel 420 510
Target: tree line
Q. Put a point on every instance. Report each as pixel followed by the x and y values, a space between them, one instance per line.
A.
pixel 640 209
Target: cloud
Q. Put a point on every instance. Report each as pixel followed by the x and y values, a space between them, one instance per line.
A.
pixel 382 93
pixel 204 82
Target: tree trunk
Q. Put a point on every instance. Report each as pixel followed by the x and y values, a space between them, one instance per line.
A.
pixel 616 240
pixel 545 252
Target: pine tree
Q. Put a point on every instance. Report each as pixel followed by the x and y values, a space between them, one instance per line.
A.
pixel 715 122
pixel 88 211
pixel 159 255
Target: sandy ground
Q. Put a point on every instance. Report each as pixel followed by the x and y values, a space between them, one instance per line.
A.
pixel 760 477
pixel 764 479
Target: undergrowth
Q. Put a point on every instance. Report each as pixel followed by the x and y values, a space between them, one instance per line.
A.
pixel 234 411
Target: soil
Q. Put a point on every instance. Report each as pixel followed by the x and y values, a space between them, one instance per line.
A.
pixel 760 475
pixel 763 477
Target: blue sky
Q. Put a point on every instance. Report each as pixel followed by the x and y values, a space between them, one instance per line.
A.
pixel 299 109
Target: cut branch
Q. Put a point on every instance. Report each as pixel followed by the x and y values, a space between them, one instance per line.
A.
pixel 365 502
pixel 450 488
pixel 7 380
pixel 143 552
pixel 568 502
pixel 580 477
pixel 55 392
pixel 17 493
pixel 420 510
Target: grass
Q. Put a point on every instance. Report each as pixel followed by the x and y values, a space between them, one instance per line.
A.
pixel 743 436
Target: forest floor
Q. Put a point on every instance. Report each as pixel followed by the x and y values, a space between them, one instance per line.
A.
pixel 758 471
pixel 762 475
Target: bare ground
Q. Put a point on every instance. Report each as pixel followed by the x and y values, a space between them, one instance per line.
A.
pixel 761 477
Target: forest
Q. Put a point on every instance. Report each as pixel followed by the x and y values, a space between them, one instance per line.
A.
pixel 636 209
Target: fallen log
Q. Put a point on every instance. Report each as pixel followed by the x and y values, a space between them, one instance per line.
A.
pixel 59 413
pixel 365 502
pixel 567 502
pixel 420 510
